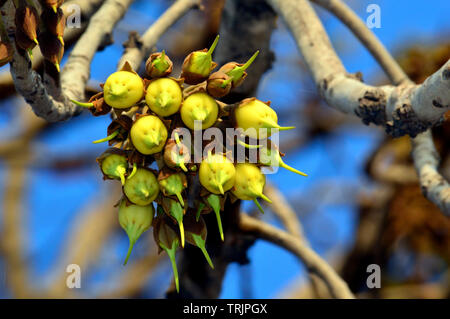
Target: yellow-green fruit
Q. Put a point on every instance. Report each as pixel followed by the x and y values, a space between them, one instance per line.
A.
pixel 217 174
pixel 174 185
pixel 199 107
pixel 115 166
pixel 164 96
pixel 249 182
pixel 148 134
pixel 253 115
pixel 135 220
pixel 142 188
pixel 123 89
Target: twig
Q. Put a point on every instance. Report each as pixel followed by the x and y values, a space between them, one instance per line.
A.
pixel 284 211
pixel 314 263
pixel 135 54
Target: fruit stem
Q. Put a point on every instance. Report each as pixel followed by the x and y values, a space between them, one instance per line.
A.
pixel 219 223
pixel 108 138
pixel 213 46
pixel 258 205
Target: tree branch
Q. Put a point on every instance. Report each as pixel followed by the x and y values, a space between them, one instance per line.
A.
pixel 48 101
pixel 404 109
pixel 136 53
pixel 314 263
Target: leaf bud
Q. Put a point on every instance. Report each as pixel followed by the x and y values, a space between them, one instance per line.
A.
pixel 148 134
pixel 142 188
pixel 198 64
pixel 219 84
pixel 135 220
pixel 158 65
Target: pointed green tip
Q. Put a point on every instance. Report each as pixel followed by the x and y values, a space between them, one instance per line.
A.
pixel 55 8
pixel 258 205
pixel 130 249
pixel 180 198
pixel 61 39
pixel 30 53
pixel 249 146
pixel 133 171
pixel 180 224
pixel 87 105
pixel 286 128
pixel 219 185
pixel 183 167
pixel 213 46
pixel 267 199
pixel 289 168
pixel 35 40
pixel 122 177
pixel 171 254
pixel 250 61
pixel 108 138
pixel 208 259
pixel 57 67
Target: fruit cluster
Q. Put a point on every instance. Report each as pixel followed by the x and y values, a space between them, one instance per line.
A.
pixel 149 115
pixel 42 26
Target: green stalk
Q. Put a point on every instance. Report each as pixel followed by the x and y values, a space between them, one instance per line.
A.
pixel 284 165
pixel 213 46
pixel 201 244
pixel 130 248
pixel 87 105
pixel 133 171
pixel 258 205
pixel 108 138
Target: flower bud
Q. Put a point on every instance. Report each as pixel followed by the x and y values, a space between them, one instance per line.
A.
pixel 135 220
pixel 249 183
pixel 27 22
pixel 236 71
pixel 254 115
pixel 142 188
pixel 217 173
pixel 196 233
pixel 168 240
pixel 164 96
pixel 54 4
pixel 199 107
pixel 219 84
pixel 158 65
pixel 198 64
pixel 270 156
pixel 123 89
pixel 172 184
pixel 148 134
pixel 55 22
pixel 51 48
pixel 6 53
pixel 114 164
pixel 176 155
